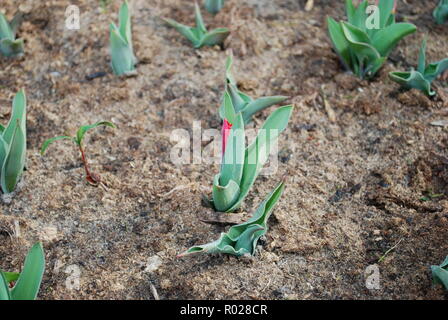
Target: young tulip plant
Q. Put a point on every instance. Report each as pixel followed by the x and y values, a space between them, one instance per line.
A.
pixel 364 42
pixel 121 48
pixel 199 36
pixel 214 6
pixel 241 101
pixel 424 75
pixel 240 164
pixel 26 284
pixel 9 45
pixel 441 12
pixel 91 177
pixel 242 239
pixel 440 274
pixel 13 145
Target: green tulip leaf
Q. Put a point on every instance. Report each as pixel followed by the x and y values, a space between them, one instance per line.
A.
pixel 214 6
pixel 242 239
pixel 4 288
pixel 441 12
pixel 28 284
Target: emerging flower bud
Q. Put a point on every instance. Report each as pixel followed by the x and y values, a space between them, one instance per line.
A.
pixel 225 132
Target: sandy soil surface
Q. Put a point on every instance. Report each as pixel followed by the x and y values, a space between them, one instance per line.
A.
pixel 358 157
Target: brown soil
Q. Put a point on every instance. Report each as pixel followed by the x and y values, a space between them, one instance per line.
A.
pixel 358 157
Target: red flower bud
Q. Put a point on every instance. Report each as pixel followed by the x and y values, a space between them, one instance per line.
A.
pixel 226 127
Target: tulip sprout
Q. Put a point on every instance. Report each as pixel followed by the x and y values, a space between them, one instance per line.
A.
pixel 362 48
pixel 91 177
pixel 424 75
pixel 214 6
pixel 441 12
pixel 242 239
pixel 9 45
pixel 240 165
pixel 121 48
pixel 440 274
pixel 13 145
pixel 199 36
pixel 27 282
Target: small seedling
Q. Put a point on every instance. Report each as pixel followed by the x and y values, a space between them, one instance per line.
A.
pixel 9 45
pixel 424 75
pixel 441 12
pixel 214 6
pixel 363 48
pixel 121 48
pixel 240 165
pixel 27 283
pixel 13 145
pixel 199 36
pixel 241 101
pixel 440 274
pixel 242 239
pixel 91 177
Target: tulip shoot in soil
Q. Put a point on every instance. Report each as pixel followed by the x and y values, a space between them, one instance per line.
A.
pixel 199 36
pixel 91 177
pixel 424 75
pixel 13 145
pixel 26 284
pixel 441 12
pixel 121 48
pixel 364 42
pixel 9 45
pixel 242 239
pixel 240 164
pixel 214 6
pixel 440 274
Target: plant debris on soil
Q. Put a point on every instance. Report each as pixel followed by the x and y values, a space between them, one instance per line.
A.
pixel 358 157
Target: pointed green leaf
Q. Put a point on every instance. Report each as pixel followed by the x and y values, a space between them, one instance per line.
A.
pixel 386 39
pixel 5 28
pixel 214 6
pixel 229 76
pixel 122 57
pixel 47 143
pixel 184 30
pixel 16 22
pixel 350 11
pixel 433 70
pixel 3 151
pixel 259 105
pixel 199 20
pixel 441 12
pixel 340 43
pixel 124 21
pixel 215 37
pixel 82 130
pixel 386 7
pixel 18 115
pixel 4 288
pixel 14 162
pixel 361 16
pixel 28 284
pixel 422 58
